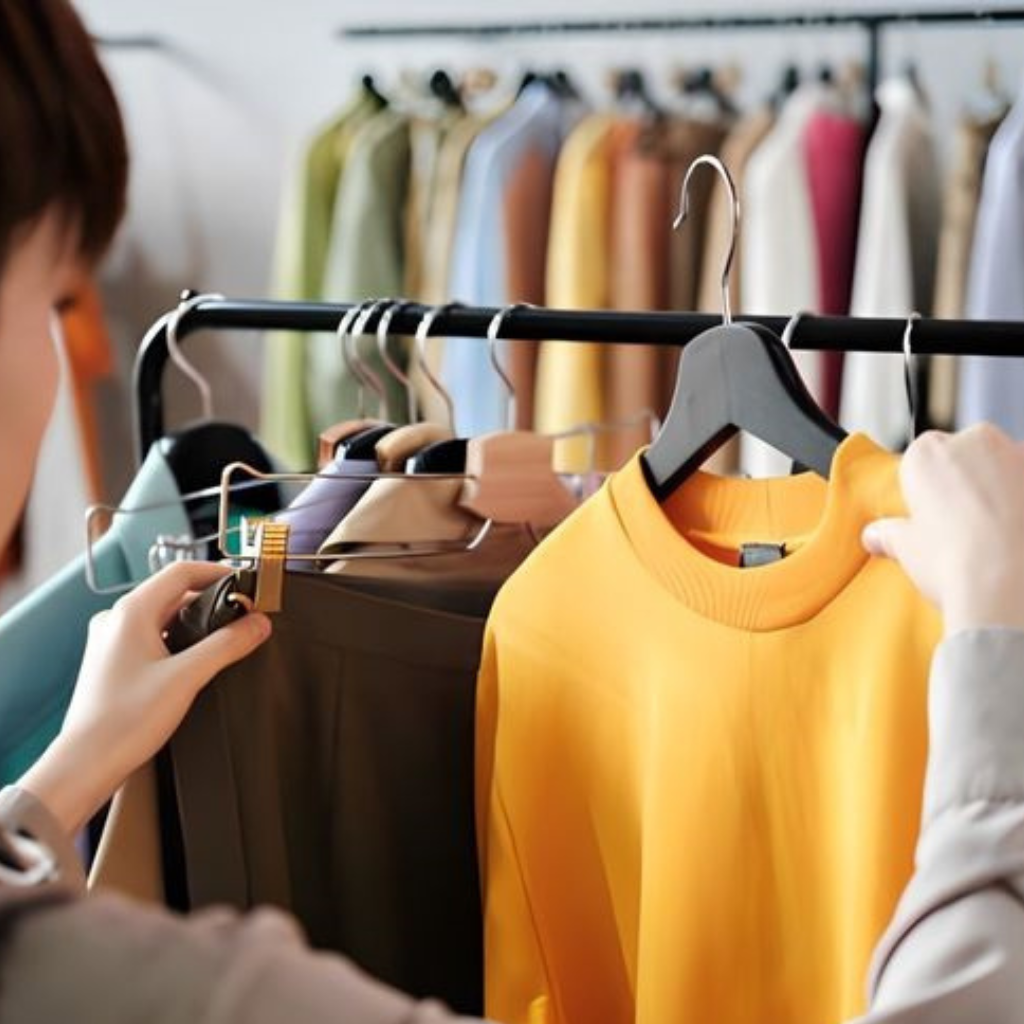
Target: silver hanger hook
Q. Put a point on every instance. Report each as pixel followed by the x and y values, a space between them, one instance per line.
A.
pixel 422 333
pixel 383 330
pixel 493 334
pixel 186 305
pixel 909 377
pixel 367 373
pixel 789 333
pixel 734 220
pixel 342 332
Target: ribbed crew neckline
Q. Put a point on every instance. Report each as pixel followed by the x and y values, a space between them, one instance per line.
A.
pixel 820 521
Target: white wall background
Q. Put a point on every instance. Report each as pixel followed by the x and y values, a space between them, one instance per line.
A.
pixel 217 116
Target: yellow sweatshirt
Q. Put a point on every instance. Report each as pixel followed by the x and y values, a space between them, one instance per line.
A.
pixel 699 785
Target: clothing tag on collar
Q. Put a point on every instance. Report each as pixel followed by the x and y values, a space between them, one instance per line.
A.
pixel 752 555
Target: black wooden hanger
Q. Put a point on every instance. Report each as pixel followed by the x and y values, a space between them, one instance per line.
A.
pixel 736 377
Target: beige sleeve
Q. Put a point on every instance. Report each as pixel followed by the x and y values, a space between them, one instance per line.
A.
pixel 955 950
pixel 37 850
pixel 107 960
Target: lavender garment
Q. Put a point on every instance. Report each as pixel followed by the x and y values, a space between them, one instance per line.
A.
pixel 323 504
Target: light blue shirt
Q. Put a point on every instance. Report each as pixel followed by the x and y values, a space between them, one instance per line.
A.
pixel 42 638
pixel 539 121
pixel 993 389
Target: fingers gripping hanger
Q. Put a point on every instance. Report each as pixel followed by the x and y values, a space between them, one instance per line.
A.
pixel 738 376
pixel 187 304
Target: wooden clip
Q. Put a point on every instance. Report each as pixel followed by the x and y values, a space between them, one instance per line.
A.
pixel 272 549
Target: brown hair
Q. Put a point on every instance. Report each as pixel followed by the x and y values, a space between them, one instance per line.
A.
pixel 61 134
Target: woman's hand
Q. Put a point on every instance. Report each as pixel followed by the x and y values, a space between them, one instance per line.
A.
pixel 131 693
pixel 962 542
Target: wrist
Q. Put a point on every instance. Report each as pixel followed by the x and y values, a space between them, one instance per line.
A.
pixel 70 782
pixel 990 608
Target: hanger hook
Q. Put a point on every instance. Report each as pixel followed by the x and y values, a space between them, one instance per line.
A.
pixel 343 330
pixel 909 376
pixel 493 334
pixel 422 333
pixel 734 220
pixel 790 330
pixel 398 372
pixel 369 375
pixel 186 305
pixel 383 330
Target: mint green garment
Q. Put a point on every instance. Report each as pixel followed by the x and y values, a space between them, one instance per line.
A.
pixel 366 260
pixel 42 638
pixel 304 236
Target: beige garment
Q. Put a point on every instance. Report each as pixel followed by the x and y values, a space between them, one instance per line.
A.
pixel 741 141
pixel 959 212
pixel 426 140
pixel 396 448
pixel 128 860
pixel 424 513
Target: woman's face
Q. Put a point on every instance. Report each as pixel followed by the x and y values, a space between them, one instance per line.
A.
pixel 40 274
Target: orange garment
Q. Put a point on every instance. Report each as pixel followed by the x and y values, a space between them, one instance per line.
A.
pixel 91 359
pixel 698 785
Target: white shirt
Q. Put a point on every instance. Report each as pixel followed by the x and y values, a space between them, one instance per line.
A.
pixel 896 252
pixel 780 252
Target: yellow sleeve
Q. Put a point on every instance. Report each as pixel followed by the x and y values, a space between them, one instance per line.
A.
pixel 515 981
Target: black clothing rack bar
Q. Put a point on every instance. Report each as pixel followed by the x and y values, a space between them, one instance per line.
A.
pixel 823 333
pixel 873 22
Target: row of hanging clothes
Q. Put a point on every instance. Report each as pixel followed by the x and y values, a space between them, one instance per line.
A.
pixel 545 198
pixel 593 752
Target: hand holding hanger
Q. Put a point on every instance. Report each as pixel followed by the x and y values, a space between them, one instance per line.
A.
pixel 960 543
pixel 131 693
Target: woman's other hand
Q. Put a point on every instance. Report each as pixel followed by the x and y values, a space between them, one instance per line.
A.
pixel 962 542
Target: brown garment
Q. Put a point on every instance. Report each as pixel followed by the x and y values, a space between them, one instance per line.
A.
pixel 639 268
pixel 653 267
pixel 736 150
pixel 331 774
pixel 956 238
pixel 527 214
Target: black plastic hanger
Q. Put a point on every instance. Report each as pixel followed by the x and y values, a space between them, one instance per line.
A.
pixel 364 444
pixel 441 457
pixel 731 378
pixel 631 87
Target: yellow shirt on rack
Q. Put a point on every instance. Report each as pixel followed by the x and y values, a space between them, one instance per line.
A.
pixel 699 785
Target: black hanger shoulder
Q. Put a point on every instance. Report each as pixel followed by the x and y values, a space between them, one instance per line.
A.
pixel 731 378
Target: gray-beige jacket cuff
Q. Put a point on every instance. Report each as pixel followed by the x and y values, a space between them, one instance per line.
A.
pixel 976 713
pixel 35 846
